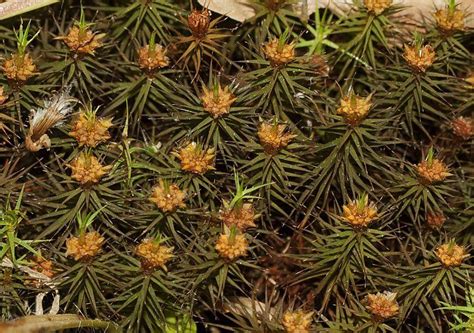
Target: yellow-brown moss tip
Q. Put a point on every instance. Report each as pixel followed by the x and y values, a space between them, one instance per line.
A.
pixel 354 108
pixel 297 321
pixel 433 171
pixel 217 102
pixel 231 247
pixel 470 79
pixel 82 41
pixel 152 58
pixel 451 254
pixel 87 170
pixel 89 130
pixel 242 217
pixel 195 159
pixel 274 137
pixel 198 23
pixel 377 7
pixel 3 95
pixel 359 214
pixel 382 306
pixel 168 197
pixel 279 54
pixel 85 247
pixel 19 68
pixel 153 255
pixel 449 21
pixel 419 58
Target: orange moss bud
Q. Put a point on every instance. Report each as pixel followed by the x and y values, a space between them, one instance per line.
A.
pixel 151 58
pixel 377 7
pixel 196 160
pixel 354 108
pixel 273 137
pixel 433 171
pixel 168 197
pixel 451 254
pixel 19 68
pixel 153 255
pixel 87 170
pixel 279 54
pixel 382 306
pixel 89 130
pixel 297 321
pixel 419 59
pixel 231 247
pixel 359 213
pixel 217 102
pixel 85 247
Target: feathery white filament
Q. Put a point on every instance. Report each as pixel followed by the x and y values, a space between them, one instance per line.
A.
pixel 52 114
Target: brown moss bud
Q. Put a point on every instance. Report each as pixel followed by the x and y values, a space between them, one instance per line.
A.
pixel 242 217
pixel 89 130
pixel 19 68
pixel 87 170
pixel 451 254
pixel 198 22
pixel 151 58
pixel 217 102
pixel 168 197
pixel 419 58
pixel 85 247
pixel 195 159
pixel 275 5
pixel 435 220
pixel 377 7
pixel 297 321
pixel 279 54
pixel 273 137
pixel 463 127
pixel 320 64
pixel 42 266
pixel 82 41
pixel 382 306
pixel 153 255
